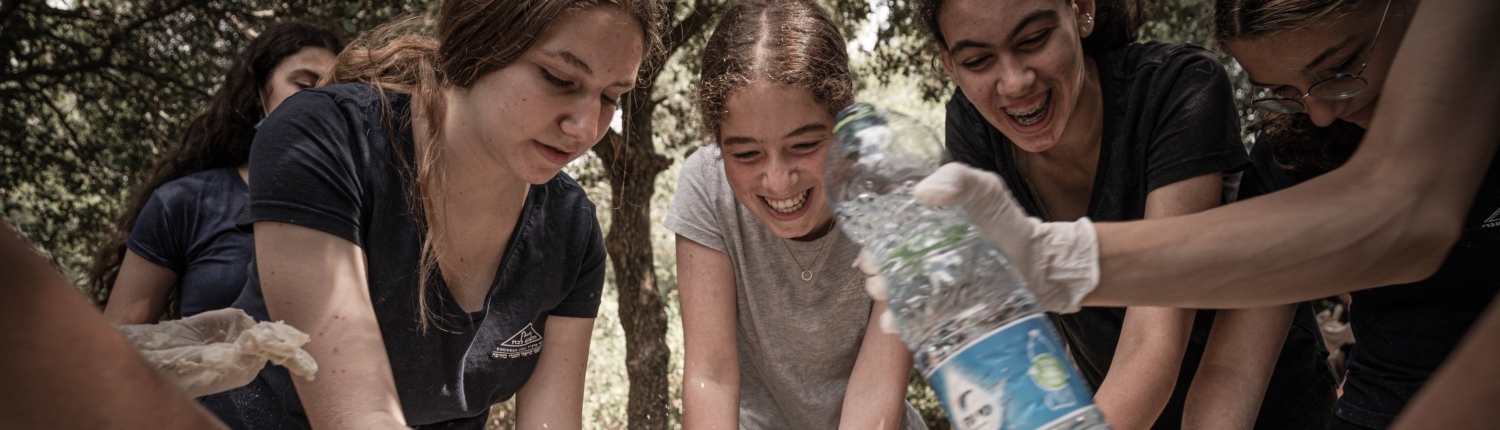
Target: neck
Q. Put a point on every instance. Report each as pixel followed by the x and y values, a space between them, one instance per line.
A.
pixel 817 232
pixel 1079 144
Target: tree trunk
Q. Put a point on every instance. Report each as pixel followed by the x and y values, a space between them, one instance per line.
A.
pixel 632 164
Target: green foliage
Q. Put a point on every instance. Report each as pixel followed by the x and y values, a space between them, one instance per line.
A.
pixel 92 92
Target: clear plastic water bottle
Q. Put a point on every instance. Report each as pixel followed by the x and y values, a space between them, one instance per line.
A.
pixel 979 337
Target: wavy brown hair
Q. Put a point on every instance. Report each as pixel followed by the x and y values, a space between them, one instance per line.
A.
pixel 786 42
pixel 218 137
pixel 472 38
pixel 1296 143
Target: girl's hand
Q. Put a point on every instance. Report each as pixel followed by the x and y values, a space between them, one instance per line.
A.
pixel 219 350
pixel 1059 260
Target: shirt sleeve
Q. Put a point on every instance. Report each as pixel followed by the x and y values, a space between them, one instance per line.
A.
pixel 154 236
pixel 692 213
pixel 1198 126
pixel 967 135
pixel 583 300
pixel 303 170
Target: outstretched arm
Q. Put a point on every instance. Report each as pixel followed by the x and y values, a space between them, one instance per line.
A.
pixel 1236 367
pixel 316 282
pixel 1387 216
pixel 711 368
pixel 65 367
pixel 876 395
pixel 553 397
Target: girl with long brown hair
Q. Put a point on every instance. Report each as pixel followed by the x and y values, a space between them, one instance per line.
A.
pixel 1085 124
pixel 412 218
pixel 1320 67
pixel 778 333
pixel 178 232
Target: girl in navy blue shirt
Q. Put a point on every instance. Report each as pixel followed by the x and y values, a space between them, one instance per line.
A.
pixel 413 220
pixel 179 232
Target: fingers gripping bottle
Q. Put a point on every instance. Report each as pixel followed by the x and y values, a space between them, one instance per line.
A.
pixel 977 333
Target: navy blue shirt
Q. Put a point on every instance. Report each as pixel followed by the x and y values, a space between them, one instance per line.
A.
pixel 188 226
pixel 325 160
pixel 1402 333
pixel 1169 115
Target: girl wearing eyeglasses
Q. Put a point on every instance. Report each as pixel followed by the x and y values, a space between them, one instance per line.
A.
pixel 1413 200
pixel 1055 98
pixel 1319 66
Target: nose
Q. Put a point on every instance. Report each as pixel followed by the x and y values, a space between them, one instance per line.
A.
pixel 1015 78
pixel 781 175
pixel 581 121
pixel 1322 112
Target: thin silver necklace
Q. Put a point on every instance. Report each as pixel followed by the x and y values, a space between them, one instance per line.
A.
pixel 807 273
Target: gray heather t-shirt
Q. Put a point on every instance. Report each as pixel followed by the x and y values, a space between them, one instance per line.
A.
pixel 797 339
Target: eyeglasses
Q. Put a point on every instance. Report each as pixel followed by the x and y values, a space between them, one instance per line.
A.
pixel 1338 87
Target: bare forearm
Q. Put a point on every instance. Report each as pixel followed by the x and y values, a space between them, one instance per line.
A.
pixel 123 312
pixel 315 282
pixel 66 367
pixel 711 372
pixel 1144 371
pixel 552 398
pixel 1132 397
pixel 876 395
pixel 140 292
pixel 1461 395
pixel 1236 367
pixel 710 403
pixel 1387 216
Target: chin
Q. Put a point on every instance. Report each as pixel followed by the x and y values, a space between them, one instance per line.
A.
pixel 1035 145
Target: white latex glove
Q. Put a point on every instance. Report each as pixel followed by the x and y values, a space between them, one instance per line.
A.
pixel 219 350
pixel 1059 260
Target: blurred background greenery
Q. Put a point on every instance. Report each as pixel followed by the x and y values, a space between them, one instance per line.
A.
pixel 92 91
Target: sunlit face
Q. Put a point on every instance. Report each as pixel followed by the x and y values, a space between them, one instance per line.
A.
pixel 1288 62
pixel 774 139
pixel 1020 62
pixel 294 73
pixel 556 100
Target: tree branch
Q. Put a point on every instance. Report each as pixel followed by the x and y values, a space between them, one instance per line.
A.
pixel 62 120
pixel 689 26
pixel 161 78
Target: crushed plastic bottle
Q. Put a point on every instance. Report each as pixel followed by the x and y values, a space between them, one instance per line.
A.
pixel 977 333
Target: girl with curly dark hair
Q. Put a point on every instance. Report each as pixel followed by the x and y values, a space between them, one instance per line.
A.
pixel 1320 66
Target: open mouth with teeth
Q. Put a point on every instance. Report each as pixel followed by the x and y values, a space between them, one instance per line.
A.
pixel 1031 115
pixel 788 206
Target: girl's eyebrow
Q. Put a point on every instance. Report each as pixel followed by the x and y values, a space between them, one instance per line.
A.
pixel 1318 61
pixel 573 60
pixel 1031 17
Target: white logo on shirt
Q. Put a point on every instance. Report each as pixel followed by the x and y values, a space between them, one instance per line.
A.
pixel 1493 221
pixel 524 343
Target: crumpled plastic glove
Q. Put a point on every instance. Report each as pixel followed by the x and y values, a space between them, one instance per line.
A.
pixel 1058 260
pixel 219 350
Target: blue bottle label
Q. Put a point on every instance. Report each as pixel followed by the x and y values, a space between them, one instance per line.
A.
pixel 1015 378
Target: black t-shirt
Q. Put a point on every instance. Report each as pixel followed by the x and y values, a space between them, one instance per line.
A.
pixel 1168 116
pixel 1402 333
pixel 188 226
pixel 324 160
